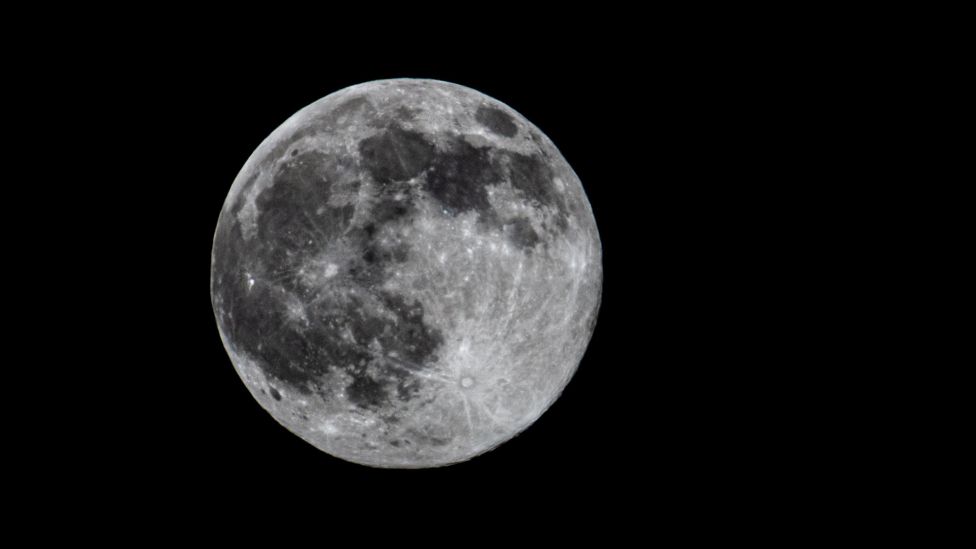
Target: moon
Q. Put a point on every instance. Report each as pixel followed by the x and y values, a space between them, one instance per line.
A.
pixel 406 273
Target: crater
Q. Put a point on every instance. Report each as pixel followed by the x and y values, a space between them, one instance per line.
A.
pixel 520 233
pixel 497 121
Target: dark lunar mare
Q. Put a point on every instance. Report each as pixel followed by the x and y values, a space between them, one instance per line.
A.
pixel 323 123
pixel 458 176
pixel 532 176
pixel 458 179
pixel 289 226
pixel 389 337
pixel 395 154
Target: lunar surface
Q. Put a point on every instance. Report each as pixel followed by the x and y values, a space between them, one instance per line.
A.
pixel 406 273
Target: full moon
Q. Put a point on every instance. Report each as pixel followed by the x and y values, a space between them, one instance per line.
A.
pixel 406 273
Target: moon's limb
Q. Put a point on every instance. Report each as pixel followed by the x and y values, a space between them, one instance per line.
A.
pixel 406 273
